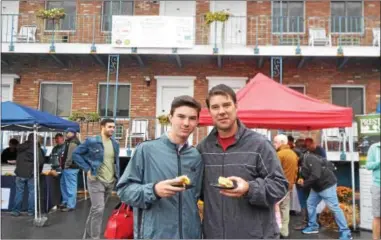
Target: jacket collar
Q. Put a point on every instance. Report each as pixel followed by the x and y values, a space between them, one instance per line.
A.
pixel 283 146
pixel 240 132
pixel 175 146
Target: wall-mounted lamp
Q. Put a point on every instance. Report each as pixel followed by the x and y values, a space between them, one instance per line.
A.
pixel 147 79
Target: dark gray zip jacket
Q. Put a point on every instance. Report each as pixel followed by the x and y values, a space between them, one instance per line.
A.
pixel 254 159
pixel 162 218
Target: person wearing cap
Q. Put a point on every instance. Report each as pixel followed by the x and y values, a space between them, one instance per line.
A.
pixel 70 171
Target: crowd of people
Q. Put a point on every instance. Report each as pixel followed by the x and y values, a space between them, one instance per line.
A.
pixel 263 175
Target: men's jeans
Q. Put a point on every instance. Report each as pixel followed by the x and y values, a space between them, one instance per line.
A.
pixel 302 196
pixel 285 214
pixel 20 184
pixel 329 196
pixel 69 185
pixel 99 194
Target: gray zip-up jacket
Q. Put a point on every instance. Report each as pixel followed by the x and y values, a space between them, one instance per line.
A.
pixel 254 159
pixel 162 218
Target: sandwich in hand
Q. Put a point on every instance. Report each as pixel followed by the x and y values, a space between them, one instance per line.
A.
pixel 185 180
pixel 225 182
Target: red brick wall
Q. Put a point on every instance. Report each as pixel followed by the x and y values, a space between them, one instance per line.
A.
pixel 317 75
pixel 258 12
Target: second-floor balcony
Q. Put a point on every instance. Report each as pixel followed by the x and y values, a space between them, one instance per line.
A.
pixel 237 31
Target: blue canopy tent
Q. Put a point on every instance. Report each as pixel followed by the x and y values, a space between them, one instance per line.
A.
pixel 16 117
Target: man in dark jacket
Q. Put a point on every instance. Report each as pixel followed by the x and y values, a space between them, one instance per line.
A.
pixel 70 171
pixel 317 175
pixel 231 150
pixel 24 174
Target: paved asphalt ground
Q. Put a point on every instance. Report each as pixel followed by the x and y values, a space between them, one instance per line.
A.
pixel 70 225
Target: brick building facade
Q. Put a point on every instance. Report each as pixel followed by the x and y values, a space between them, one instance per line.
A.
pixel 319 76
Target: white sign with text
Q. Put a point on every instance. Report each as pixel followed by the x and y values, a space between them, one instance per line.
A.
pixel 152 32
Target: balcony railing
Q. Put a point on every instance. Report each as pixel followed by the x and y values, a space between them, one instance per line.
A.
pixel 237 31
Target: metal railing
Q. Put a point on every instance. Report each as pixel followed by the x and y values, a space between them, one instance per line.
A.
pixel 236 31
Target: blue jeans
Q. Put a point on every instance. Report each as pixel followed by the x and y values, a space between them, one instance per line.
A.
pixel 20 184
pixel 69 186
pixel 329 196
pixel 302 197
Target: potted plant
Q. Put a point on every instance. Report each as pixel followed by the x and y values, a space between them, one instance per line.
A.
pixel 163 120
pixel 55 14
pixel 82 117
pixel 220 16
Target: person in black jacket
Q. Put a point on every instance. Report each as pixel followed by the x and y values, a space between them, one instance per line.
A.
pixel 25 173
pixel 10 153
pixel 317 175
pixel 69 178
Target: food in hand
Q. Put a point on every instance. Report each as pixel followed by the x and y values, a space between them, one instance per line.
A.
pixel 300 181
pixel 225 182
pixel 185 180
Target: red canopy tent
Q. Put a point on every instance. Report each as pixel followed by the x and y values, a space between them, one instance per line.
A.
pixel 264 103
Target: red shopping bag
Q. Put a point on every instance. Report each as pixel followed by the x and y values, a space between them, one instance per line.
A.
pixel 120 225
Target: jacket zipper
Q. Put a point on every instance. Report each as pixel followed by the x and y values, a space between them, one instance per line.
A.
pixel 180 199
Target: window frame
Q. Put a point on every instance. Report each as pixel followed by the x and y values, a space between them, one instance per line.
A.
pixel 56 83
pixel 289 33
pixel 130 98
pixel 102 13
pixel 348 87
pixel 298 86
pixel 362 32
pixel 64 31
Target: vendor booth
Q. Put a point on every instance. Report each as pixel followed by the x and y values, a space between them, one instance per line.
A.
pixel 264 103
pixel 15 117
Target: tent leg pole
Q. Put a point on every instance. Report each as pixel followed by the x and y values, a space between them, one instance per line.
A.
pixel 35 170
pixel 353 177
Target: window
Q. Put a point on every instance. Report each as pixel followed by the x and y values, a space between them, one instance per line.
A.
pixel 300 88
pixel 68 23
pixel 119 129
pixel 349 97
pixel 346 17
pixel 292 18
pixel 56 99
pixel 123 101
pixel 111 8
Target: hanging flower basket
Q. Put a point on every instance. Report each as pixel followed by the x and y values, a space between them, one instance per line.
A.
pixel 220 16
pixel 163 119
pixel 84 117
pixel 51 14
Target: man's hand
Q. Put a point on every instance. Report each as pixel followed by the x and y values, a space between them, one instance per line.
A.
pixel 241 189
pixel 165 189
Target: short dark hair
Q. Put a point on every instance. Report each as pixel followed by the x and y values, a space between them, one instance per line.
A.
pixel 223 90
pixel 13 141
pixel 185 100
pixel 106 120
pixel 58 135
pixel 290 138
pixel 309 140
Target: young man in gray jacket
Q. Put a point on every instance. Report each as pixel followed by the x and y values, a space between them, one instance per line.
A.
pixel 231 150
pixel 163 210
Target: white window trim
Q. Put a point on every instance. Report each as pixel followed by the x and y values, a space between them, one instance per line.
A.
pixel 348 33
pixel 298 86
pixel 123 130
pixel 163 5
pixel 61 31
pixel 230 81
pixel 351 86
pixel 113 84
pixel 9 79
pixel 290 33
pixel 57 83
pixel 212 6
pixel 103 4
